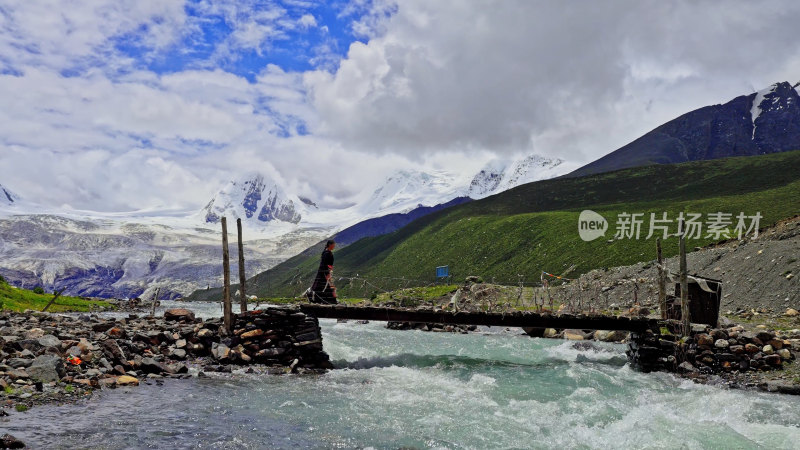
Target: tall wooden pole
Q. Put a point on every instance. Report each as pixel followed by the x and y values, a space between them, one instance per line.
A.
pixel 242 291
pixel 662 281
pixel 687 327
pixel 155 299
pixel 226 269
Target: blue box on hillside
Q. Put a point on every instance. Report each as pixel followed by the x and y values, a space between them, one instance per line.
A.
pixel 442 271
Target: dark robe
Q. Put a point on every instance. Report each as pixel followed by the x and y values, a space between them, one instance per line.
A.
pixel 323 290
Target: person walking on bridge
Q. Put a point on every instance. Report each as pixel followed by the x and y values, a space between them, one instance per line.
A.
pixel 323 289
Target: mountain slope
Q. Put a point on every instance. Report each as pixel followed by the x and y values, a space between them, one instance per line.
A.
pixel 764 122
pixel 533 228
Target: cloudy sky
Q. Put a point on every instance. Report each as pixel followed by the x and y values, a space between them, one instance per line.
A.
pixel 114 105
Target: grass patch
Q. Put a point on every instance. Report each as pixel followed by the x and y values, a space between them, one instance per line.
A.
pixel 21 408
pixel 15 299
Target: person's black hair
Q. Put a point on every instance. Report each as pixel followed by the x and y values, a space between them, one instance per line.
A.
pixel 330 241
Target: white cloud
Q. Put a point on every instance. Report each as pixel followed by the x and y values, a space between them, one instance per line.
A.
pixel 435 84
pixel 44 34
pixel 574 79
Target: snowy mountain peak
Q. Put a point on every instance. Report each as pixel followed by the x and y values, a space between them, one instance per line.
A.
pixel 774 100
pixel 7 197
pixel 500 175
pixel 407 189
pixel 253 197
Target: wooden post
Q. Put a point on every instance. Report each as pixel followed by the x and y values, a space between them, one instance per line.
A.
pixel 687 326
pixel 226 269
pixel 662 281
pixel 155 299
pixel 57 294
pixel 242 291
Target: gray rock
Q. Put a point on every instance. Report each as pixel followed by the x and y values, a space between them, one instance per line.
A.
pixel 46 368
pixel 150 365
pixel 48 341
pixel 19 363
pixel 722 343
pixel 220 352
pixel 178 353
pixel 687 367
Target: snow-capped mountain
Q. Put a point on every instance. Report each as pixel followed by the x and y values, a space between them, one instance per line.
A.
pixel 408 189
pixel 252 197
pixel 500 175
pixel 7 197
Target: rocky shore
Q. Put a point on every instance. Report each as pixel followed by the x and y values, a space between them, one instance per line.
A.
pixel 47 358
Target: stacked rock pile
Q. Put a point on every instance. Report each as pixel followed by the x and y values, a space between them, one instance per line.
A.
pixel 275 337
pixel 712 351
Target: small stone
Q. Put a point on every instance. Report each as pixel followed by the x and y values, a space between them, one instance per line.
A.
pixel 33 333
pixel 252 334
pixel 768 350
pixel 704 339
pixel 773 360
pixel 116 333
pixel 722 343
pixel 791 312
pixel 776 344
pixel 751 348
pixel 687 367
pixel 107 382
pixel 785 354
pixel 126 380
pixel 203 333
pixel 181 343
pixel 179 314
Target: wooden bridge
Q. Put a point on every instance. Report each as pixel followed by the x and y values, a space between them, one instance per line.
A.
pixel 513 319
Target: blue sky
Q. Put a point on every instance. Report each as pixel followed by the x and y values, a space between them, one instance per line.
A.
pixel 321 41
pixel 149 104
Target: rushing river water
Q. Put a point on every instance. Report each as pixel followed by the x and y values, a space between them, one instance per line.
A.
pixel 398 389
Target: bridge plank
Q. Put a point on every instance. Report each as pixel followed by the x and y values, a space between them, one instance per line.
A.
pixel 514 319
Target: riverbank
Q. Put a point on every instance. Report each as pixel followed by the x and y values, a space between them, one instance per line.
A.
pixel 57 358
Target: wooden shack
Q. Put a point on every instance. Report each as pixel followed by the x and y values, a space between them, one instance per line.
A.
pixel 705 295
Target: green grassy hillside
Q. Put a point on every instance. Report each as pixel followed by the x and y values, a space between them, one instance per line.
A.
pixel 519 233
pixel 21 299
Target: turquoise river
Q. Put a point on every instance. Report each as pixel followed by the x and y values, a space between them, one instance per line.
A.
pixel 412 389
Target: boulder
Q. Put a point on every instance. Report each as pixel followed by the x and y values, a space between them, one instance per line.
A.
pixel 550 333
pixel 46 368
pixel 179 315
pixel 50 341
pixel 9 441
pixel 573 335
pixel 150 365
pixel 791 312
